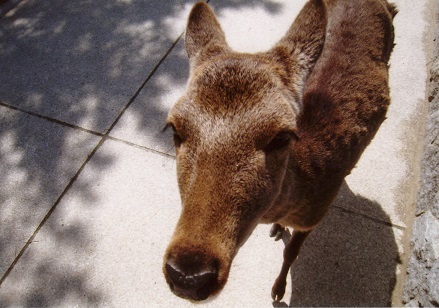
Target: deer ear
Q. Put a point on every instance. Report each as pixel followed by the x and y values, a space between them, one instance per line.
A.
pixel 302 45
pixel 204 36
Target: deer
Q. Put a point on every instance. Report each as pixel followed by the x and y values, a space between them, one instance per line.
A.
pixel 269 137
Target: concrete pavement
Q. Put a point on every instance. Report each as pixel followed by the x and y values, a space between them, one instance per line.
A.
pixel 88 192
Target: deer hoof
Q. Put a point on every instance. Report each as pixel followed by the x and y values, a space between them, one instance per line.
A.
pixel 277 231
pixel 278 290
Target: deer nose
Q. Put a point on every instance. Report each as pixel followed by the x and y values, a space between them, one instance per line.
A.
pixel 192 282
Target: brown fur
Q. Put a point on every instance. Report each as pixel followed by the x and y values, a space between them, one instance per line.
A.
pixel 255 144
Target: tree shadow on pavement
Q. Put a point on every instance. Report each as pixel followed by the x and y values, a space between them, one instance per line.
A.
pixel 67 71
pixel 349 260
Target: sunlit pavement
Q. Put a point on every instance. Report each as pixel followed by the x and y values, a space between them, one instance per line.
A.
pixel 88 192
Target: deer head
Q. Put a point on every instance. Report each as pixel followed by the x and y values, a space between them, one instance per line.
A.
pixel 234 130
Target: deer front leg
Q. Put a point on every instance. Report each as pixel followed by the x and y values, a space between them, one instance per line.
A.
pixel 290 254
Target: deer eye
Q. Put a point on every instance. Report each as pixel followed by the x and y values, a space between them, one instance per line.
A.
pixel 280 141
pixel 178 140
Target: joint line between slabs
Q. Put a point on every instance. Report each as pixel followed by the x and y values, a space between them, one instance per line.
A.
pixel 89 157
pixel 135 145
pixel 52 120
pixel 136 94
pixel 386 223
pixel 49 213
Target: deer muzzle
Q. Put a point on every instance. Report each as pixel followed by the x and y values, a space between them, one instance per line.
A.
pixel 190 278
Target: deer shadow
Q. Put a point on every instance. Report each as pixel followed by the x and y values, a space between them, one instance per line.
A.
pixel 349 260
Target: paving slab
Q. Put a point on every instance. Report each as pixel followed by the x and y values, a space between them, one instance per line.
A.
pixel 81 62
pixel 105 246
pixel 37 160
pixel 350 260
pixel 143 122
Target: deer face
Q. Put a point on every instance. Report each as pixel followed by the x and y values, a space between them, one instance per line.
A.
pixel 233 132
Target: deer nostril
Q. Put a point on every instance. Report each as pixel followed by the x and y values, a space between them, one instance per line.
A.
pixel 196 285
